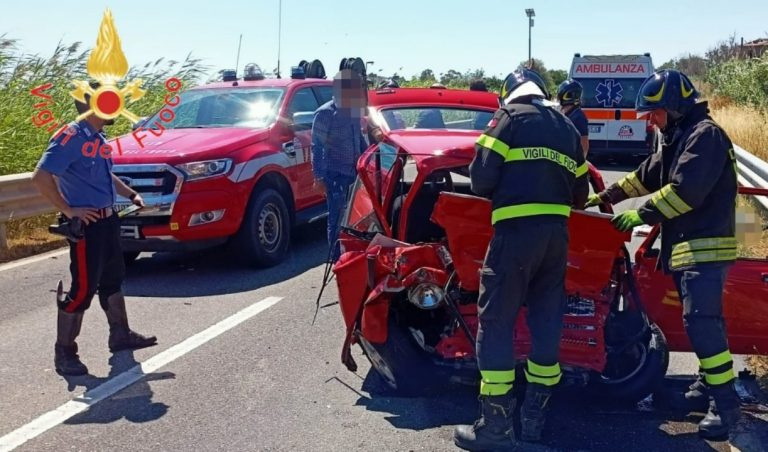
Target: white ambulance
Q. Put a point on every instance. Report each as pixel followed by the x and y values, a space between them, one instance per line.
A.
pixel 611 83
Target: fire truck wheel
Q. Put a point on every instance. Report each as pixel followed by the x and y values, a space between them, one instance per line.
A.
pixel 265 233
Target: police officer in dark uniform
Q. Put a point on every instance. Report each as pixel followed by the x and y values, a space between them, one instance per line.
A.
pixel 86 189
pixel 692 182
pixel 569 97
pixel 530 162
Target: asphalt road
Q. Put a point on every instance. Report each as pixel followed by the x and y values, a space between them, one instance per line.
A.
pixel 260 376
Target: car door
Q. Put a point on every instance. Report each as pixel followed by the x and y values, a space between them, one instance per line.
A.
pixel 304 102
pixel 745 298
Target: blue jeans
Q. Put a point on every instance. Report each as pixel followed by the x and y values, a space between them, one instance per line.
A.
pixel 336 191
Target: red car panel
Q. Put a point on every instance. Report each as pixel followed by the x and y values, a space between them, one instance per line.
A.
pixel 745 299
pixel 593 250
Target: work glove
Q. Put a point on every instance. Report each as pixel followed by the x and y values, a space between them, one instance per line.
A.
pixel 593 200
pixel 627 220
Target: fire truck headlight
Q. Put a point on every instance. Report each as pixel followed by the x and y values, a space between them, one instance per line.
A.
pixel 205 169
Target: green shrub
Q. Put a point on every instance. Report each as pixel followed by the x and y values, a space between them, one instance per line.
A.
pixel 745 82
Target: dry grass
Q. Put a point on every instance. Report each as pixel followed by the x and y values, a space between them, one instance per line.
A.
pixel 759 365
pixel 755 251
pixel 29 237
pixel 746 126
pixel 751 234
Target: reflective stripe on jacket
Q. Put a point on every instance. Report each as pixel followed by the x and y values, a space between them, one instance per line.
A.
pixel 693 187
pixel 529 160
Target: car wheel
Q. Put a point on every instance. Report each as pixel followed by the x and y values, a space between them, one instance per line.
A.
pixel 635 369
pixel 402 365
pixel 265 233
pixel 129 257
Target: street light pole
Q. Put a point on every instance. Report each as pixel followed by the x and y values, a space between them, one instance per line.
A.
pixel 530 13
pixel 279 32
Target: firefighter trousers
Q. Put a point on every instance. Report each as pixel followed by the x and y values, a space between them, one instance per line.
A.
pixel 701 292
pixel 525 264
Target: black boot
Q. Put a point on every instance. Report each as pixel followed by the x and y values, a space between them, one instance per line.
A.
pixel 724 412
pixel 493 431
pixel 120 335
pixel 533 412
pixel 696 398
pixel 66 360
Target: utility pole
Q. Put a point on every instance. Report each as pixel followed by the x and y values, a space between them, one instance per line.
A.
pixel 237 63
pixel 279 32
pixel 531 14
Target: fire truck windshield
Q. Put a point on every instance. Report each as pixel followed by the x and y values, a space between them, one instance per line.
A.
pixel 227 107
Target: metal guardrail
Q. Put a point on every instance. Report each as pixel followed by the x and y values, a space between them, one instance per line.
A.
pixel 753 172
pixel 20 199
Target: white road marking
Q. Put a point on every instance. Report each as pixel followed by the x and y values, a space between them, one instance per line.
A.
pixel 33 259
pixel 81 403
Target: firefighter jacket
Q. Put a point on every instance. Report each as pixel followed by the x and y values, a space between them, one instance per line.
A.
pixel 529 160
pixel 693 188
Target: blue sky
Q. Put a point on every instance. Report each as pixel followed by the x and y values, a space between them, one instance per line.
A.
pixel 407 34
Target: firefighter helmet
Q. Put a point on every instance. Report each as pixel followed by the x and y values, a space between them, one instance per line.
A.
pixel 569 92
pixel 668 89
pixel 521 75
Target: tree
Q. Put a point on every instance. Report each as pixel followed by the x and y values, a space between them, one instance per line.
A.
pixel 539 67
pixel 493 84
pixel 427 75
pixel 477 73
pixel 558 76
pixel 451 77
pixel 692 65
pixel 723 50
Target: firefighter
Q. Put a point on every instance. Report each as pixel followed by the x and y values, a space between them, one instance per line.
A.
pixel 692 183
pixel 530 163
pixel 569 97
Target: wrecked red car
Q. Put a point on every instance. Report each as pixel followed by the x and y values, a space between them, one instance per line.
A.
pixel 414 238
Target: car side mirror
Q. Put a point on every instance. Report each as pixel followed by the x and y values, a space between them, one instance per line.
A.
pixel 140 123
pixel 303 121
